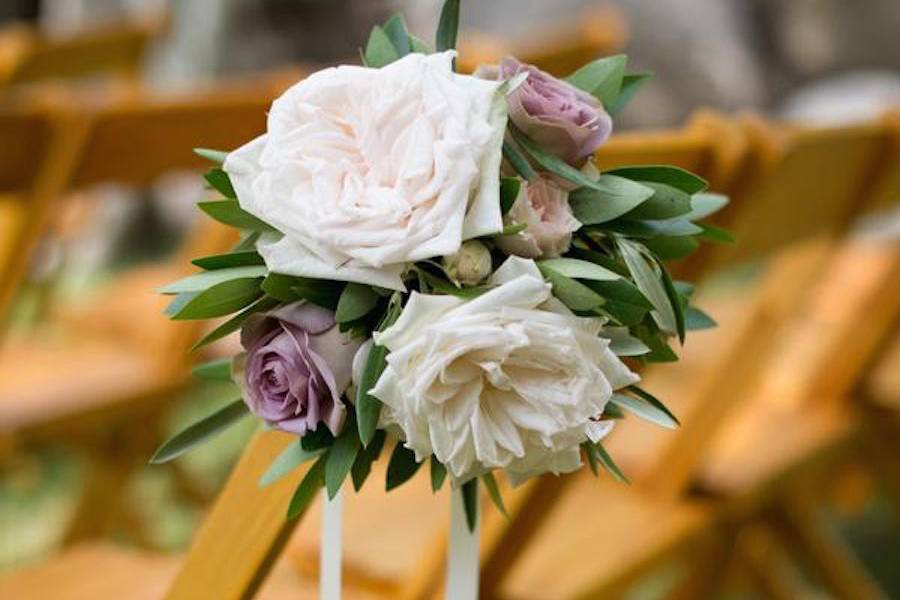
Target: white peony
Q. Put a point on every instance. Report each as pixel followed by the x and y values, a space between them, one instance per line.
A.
pixel 511 379
pixel 364 170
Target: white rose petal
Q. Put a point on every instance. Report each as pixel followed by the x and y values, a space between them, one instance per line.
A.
pixel 511 379
pixel 364 170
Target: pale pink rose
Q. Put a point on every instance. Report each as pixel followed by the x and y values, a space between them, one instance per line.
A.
pixel 544 207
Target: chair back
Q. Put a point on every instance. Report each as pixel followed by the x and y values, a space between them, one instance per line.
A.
pixel 111 51
pixel 559 49
pixel 37 157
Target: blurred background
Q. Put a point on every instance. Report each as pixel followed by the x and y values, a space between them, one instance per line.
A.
pixel 92 376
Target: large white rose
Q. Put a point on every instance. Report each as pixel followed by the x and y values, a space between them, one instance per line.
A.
pixel 511 379
pixel 364 170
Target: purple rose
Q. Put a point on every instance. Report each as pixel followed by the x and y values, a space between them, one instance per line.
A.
pixel 561 118
pixel 297 366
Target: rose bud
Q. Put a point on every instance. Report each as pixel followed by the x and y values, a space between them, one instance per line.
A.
pixel 555 114
pixel 297 366
pixel 470 265
pixel 544 208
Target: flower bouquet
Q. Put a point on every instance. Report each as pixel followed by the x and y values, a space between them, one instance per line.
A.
pixel 432 265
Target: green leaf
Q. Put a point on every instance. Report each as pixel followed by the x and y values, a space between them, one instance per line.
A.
pixel 308 488
pixel 604 260
pixel 204 280
pixel 219 180
pixel 659 348
pixel 611 411
pixel 318 439
pixel 610 465
pixel 438 474
pixel 214 370
pixel 288 288
pixel 362 466
pixel 676 177
pixel 631 83
pixel 509 192
pixel 674 300
pixel 579 269
pixel 448 26
pixel 340 458
pixel 380 49
pixel 230 213
pixel 494 492
pixel 676 227
pixel 356 301
pixel 624 301
pixel 622 343
pixel 558 166
pixel 395 28
pixel 231 259
pixel 178 303
pixel 200 431
pixel 401 467
pixel 618 197
pixel 601 78
pixel 573 294
pixel 704 205
pixel 469 493
pixel 247 242
pixel 711 233
pixel 650 285
pixel 221 299
pixel 696 320
pixel 368 407
pixel 644 410
pixel 588 448
pixel 235 322
pixel 653 401
pixel 216 156
pixel 418 45
pixel 445 287
pixel 290 458
pixel 518 161
pixel 666 202
pixel 672 248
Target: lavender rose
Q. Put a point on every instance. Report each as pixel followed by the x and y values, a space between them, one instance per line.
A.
pixel 297 366
pixel 544 207
pixel 561 118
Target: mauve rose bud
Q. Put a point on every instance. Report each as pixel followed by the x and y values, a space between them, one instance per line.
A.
pixel 544 207
pixel 561 118
pixel 470 265
pixel 297 366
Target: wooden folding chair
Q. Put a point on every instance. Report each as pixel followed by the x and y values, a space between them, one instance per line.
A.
pixel 104 381
pixel 804 167
pixel 114 51
pixel 559 49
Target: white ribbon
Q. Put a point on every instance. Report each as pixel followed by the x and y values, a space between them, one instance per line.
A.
pixel 330 556
pixel 462 556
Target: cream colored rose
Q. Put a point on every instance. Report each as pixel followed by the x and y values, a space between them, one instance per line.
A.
pixel 364 170
pixel 544 207
pixel 511 379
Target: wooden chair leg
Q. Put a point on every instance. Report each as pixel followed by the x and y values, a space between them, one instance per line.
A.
pixel 708 571
pixel 770 567
pixel 833 561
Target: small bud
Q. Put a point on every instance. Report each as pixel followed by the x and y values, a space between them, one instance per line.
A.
pixel 471 265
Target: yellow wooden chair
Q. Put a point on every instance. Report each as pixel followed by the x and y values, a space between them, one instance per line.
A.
pixel 732 365
pixel 103 381
pixel 559 49
pixel 112 51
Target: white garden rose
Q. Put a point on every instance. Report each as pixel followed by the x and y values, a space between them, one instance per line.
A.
pixel 364 170
pixel 511 379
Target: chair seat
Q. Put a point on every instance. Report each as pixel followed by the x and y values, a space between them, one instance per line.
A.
pixel 599 531
pixel 101 571
pixel 47 380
